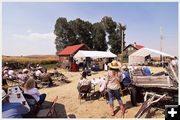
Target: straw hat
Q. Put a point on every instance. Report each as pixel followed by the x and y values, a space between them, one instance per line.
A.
pixel 114 64
pixel 5 68
pixel 39 68
pixel 25 70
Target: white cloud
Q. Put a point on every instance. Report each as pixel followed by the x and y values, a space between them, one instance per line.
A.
pixel 29 31
pixel 35 36
pixel 30 44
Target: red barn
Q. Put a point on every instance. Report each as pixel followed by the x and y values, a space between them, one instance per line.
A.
pixel 66 55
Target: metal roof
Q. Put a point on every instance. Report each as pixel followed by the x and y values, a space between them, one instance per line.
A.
pixel 94 54
pixel 147 51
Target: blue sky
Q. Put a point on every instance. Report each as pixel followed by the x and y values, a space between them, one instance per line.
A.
pixel 28 27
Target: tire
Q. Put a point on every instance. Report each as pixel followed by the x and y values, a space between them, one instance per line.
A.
pixel 133 96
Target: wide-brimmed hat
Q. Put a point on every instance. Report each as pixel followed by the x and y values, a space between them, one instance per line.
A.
pixel 39 68
pixel 114 64
pixel 25 70
pixel 5 68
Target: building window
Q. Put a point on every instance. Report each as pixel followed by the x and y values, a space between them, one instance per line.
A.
pixel 129 49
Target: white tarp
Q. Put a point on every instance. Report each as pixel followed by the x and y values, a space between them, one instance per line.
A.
pixel 94 54
pixel 138 57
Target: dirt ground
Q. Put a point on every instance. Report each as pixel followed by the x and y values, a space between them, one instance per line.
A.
pixel 68 104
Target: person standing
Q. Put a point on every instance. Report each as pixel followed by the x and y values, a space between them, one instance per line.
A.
pixel 113 85
pixel 146 71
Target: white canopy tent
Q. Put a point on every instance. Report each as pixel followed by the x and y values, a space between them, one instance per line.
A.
pixel 138 57
pixel 94 54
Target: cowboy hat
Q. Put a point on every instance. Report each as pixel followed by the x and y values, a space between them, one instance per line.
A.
pixel 114 64
pixel 25 70
pixel 5 68
pixel 39 68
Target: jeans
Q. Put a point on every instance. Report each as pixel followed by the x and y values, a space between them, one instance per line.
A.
pixel 112 94
pixel 42 98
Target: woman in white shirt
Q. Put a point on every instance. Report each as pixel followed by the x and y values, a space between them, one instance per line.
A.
pixel 29 88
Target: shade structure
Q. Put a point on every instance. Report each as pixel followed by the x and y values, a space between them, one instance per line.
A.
pixel 94 54
pixel 138 57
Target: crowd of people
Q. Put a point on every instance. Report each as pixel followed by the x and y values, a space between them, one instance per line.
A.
pixel 93 64
pixel 27 80
pixel 117 78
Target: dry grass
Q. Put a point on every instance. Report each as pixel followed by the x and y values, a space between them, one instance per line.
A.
pixel 31 59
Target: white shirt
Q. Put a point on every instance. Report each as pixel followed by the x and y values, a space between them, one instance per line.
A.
pixel 23 76
pixel 174 62
pixel 11 72
pixel 84 82
pixel 34 92
pixel 38 73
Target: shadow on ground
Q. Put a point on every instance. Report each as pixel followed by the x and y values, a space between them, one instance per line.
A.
pixel 60 109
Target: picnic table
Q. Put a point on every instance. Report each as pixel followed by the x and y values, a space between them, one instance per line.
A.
pixel 16 96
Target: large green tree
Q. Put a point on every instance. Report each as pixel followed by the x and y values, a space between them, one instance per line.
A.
pixel 99 37
pixel 64 33
pixel 93 35
pixel 83 31
pixel 114 32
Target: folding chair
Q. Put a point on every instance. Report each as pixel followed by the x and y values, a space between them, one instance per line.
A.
pixel 85 89
pixel 33 104
pixel 49 112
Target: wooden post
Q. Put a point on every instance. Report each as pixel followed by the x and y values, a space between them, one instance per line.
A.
pixel 161 46
pixel 122 41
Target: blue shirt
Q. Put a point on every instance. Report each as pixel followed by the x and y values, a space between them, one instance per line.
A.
pixel 147 71
pixel 126 80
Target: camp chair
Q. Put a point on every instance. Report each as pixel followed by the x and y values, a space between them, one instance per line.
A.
pixel 85 89
pixel 48 112
pixel 31 100
pixel 33 104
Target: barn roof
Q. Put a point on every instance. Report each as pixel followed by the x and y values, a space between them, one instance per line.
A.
pixel 69 50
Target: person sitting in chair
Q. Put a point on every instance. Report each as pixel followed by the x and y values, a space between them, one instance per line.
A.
pixel 126 77
pixel 46 77
pixel 23 76
pixel 29 88
pixel 83 81
pixel 56 73
pixel 146 71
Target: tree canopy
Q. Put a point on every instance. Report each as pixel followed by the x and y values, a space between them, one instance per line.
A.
pixel 93 35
